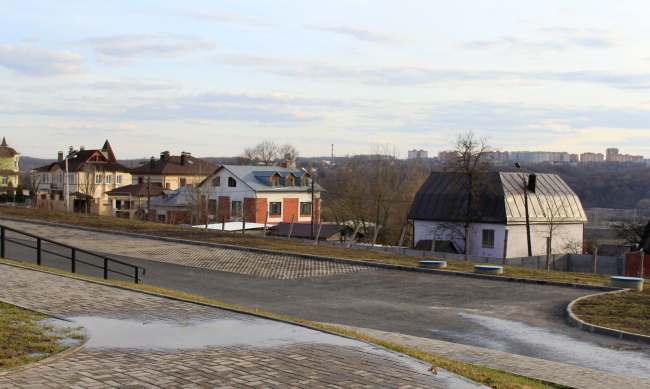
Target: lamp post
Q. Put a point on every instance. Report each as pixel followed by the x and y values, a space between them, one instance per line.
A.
pixel 67 183
pixel 523 180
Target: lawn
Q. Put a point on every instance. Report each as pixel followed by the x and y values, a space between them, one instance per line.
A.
pixel 626 311
pixel 490 377
pixel 27 336
pixel 237 239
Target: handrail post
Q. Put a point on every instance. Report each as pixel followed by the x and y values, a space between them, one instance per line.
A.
pixel 38 251
pixel 2 242
pixel 74 260
pixel 105 268
pixel 136 274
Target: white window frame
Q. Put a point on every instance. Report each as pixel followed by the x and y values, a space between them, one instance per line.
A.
pixel 118 179
pixel 108 179
pixel 98 179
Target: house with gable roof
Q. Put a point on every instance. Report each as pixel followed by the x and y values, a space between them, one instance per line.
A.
pixel 250 192
pixel 98 165
pixel 8 165
pixel 172 171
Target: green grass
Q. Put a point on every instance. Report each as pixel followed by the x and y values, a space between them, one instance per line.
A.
pixel 27 337
pixel 626 311
pixel 236 239
pixel 490 377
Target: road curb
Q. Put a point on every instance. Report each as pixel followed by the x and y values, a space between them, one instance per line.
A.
pixel 65 353
pixel 328 259
pixel 583 325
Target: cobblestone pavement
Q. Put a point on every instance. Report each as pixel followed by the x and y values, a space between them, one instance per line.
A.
pixel 144 341
pixel 559 373
pixel 234 261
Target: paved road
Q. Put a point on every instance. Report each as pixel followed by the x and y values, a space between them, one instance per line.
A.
pixel 144 341
pixel 521 319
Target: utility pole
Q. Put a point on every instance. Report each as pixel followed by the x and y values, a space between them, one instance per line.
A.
pixel 149 196
pixel 312 208
pixel 523 179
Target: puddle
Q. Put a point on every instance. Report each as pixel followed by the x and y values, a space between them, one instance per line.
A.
pixel 525 339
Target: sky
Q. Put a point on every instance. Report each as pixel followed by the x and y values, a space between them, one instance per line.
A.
pixel 212 78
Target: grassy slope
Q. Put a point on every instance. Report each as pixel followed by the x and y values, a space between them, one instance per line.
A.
pixel 25 337
pixel 236 239
pixel 627 311
pixel 489 377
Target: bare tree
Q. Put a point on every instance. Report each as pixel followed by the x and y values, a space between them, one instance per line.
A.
pixel 472 157
pixel 88 183
pixel 267 151
pixel 288 149
pixel 629 231
pixel 555 210
pixel 32 180
pixel 248 156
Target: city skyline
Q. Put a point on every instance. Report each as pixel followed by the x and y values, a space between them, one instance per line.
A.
pixel 214 79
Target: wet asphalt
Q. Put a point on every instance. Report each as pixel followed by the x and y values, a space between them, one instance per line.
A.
pixel 512 317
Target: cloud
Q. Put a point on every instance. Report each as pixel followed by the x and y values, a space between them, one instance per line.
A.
pixel 221 17
pixel 363 33
pixel 557 38
pixel 129 85
pixel 119 50
pixel 37 62
pixel 423 76
pixel 31 39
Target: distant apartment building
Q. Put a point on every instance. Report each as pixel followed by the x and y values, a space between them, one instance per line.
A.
pixel 418 154
pixel 612 155
pixel 591 157
pixel 444 156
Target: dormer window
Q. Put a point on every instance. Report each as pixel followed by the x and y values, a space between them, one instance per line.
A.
pixel 290 181
pixel 304 181
pixel 275 181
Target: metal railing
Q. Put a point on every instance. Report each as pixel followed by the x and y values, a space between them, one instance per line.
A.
pixel 73 256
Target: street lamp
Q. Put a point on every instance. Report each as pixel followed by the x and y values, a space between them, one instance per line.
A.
pixel 523 179
pixel 67 183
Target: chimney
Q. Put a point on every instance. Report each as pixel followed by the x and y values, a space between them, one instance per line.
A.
pixel 82 148
pixel 71 150
pixel 532 182
pixel 183 159
pixel 164 156
pixel 60 156
pixel 153 162
pixel 286 164
pixel 168 185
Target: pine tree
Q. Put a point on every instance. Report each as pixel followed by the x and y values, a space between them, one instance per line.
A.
pixel 20 196
pixel 10 192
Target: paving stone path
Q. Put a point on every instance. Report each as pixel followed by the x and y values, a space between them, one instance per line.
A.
pixel 559 373
pixel 144 341
pixel 228 260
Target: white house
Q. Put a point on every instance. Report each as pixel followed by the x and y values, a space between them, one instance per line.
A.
pixel 249 192
pixel 440 208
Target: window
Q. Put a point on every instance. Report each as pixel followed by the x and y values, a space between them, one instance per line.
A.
pixel 274 181
pixel 304 181
pixel 183 181
pixel 275 208
pixel 140 180
pixel 161 217
pixel 109 178
pixel 231 182
pixel 43 197
pixel 236 208
pixel 118 179
pixel 290 181
pixel 305 208
pixel 98 179
pixel 4 180
pixel 488 239
pixel 71 178
pixel 212 206
pixel 58 178
pixel 216 181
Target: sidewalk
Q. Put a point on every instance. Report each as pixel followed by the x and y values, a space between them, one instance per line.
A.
pixel 145 341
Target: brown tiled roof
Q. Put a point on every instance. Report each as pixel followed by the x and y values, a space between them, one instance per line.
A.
pixel 82 157
pixel 173 166
pixel 138 190
pixel 5 150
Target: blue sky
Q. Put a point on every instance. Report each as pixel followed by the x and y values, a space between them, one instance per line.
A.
pixel 214 77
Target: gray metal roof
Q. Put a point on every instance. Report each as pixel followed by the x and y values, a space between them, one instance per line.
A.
pixel 499 200
pixel 255 177
pixel 175 198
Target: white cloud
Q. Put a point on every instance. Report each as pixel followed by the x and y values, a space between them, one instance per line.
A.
pixel 37 62
pixel 221 17
pixel 119 50
pixel 363 33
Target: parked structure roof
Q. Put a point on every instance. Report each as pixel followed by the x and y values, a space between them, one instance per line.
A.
pixel 500 199
pixel 257 178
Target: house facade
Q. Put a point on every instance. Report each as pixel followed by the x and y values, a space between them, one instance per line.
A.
pixel 91 174
pixel 9 159
pixel 440 209
pixel 173 171
pixel 239 193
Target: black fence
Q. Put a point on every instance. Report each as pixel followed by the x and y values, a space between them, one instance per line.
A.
pixel 36 243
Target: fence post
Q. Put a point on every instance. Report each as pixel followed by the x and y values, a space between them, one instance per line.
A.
pixel 266 220
pixel 548 252
pixel 223 223
pixel 374 238
pixel 136 274
pixel 594 259
pixel 38 251
pixel 2 242
pixel 353 235
pixel 291 227
pixel 401 237
pixel 433 242
pixel 505 248
pixel 243 226
pixel 318 233
pixel 467 244
pixel 641 264
pixel 105 268
pixel 74 261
